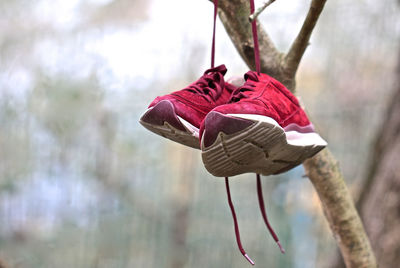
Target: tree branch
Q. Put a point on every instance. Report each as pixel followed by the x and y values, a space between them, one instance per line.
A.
pixel 296 51
pixel 259 10
pixel 323 171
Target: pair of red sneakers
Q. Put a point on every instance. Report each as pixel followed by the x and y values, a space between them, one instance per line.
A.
pixel 257 127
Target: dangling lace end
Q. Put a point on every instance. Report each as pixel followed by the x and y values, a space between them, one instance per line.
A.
pixel 236 225
pixel 264 214
pixel 248 258
pixel 280 247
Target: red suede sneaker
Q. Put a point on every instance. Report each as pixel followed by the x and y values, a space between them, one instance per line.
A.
pixel 262 130
pixel 177 116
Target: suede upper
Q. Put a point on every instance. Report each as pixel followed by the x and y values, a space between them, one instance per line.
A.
pixel 264 95
pixel 194 102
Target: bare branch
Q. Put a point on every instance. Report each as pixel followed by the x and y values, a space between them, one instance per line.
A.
pixel 296 51
pixel 344 221
pixel 260 9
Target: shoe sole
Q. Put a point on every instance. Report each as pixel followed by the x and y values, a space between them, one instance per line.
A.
pixel 263 147
pixel 162 120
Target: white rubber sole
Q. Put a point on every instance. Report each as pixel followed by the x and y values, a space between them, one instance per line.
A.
pixel 190 137
pixel 263 148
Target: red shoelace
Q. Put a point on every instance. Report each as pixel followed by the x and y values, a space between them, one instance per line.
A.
pixel 237 95
pixel 213 36
pixel 249 85
pixel 210 85
pixel 263 213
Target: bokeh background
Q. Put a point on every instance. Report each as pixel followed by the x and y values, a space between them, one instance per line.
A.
pixel 83 184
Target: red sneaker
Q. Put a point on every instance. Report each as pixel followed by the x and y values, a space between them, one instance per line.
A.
pixel 262 130
pixel 177 116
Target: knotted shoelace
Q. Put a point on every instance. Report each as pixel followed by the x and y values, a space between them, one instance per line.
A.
pixel 243 91
pixel 210 85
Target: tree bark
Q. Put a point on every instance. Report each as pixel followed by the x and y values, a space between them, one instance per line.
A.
pixel 339 209
pixel 322 169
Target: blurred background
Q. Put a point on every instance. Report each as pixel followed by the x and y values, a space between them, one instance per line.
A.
pixel 83 184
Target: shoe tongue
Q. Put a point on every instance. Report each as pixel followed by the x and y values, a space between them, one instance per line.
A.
pixel 236 81
pixel 251 75
pixel 219 69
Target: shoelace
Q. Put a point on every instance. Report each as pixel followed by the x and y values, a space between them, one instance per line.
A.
pixel 238 94
pixel 255 39
pixel 213 36
pixel 251 78
pixel 210 85
pixel 263 213
pixel 235 222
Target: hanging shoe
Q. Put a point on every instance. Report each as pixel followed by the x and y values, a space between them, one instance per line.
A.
pixel 262 130
pixel 177 116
